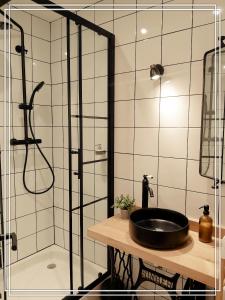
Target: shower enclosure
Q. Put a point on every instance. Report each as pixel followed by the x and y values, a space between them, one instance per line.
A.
pixel 80 145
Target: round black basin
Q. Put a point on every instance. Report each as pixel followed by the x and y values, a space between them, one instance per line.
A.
pixel 158 228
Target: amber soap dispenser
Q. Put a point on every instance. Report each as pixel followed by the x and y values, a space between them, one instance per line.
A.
pixel 205 226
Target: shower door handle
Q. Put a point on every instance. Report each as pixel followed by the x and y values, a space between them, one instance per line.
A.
pixel 9 236
pixel 78 164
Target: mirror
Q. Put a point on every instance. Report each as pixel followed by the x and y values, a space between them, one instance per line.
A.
pixel 212 121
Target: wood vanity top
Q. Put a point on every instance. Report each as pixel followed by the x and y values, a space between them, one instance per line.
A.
pixel 195 259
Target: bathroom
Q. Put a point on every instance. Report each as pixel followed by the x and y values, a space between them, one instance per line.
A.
pixel 83 119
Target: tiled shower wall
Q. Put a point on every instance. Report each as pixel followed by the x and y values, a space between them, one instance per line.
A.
pixel 31 216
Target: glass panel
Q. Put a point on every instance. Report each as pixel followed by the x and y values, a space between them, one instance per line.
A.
pixel 1 229
pixel 94 60
pixel 76 249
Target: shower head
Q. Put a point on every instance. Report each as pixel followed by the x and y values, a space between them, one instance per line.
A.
pixel 39 86
pixel 6 26
pixel 36 89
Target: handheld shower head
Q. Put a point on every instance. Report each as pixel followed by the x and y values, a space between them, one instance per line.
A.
pixel 39 86
pixel 36 89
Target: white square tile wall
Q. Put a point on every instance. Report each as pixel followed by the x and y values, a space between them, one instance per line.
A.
pixel 157 123
pixel 30 215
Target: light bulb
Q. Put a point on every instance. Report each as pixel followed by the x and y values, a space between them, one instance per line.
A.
pixel 155 77
pixel 143 30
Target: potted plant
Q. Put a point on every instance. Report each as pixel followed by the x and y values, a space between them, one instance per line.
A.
pixel 125 203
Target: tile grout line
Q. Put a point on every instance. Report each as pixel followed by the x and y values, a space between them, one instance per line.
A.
pixel 134 103
pixel 159 106
pixel 187 148
pixel 52 115
pixel 35 150
pixel 63 134
pixel 94 208
pixel 160 94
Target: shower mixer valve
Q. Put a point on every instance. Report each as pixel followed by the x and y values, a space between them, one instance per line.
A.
pixel 28 141
pixel 25 106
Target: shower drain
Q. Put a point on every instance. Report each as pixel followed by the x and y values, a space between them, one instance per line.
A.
pixel 51 266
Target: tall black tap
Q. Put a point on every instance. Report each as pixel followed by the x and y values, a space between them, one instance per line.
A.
pixel 145 190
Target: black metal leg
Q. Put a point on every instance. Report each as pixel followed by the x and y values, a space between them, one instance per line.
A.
pixel 121 269
pixel 191 290
pixel 124 270
pixel 148 274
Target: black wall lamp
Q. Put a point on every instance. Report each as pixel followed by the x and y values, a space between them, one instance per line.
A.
pixel 156 71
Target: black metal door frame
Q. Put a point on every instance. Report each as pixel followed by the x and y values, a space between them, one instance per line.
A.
pixel 2 251
pixel 70 16
pixel 79 151
pixel 80 154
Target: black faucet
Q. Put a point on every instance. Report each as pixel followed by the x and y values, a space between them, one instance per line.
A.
pixel 145 190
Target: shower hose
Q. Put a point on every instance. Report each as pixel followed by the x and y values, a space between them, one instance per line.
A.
pixel 38 147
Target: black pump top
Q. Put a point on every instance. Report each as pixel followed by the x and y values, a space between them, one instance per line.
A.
pixel 206 209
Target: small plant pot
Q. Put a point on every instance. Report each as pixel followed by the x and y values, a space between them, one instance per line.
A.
pixel 124 213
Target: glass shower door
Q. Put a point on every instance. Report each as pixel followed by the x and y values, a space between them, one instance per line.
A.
pixel 91 148
pixel 89 141
pixel 2 294
pixel 94 83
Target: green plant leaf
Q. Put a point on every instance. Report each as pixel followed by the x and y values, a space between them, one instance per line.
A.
pixel 124 202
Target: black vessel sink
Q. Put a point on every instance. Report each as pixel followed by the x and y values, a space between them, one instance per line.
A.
pixel 158 228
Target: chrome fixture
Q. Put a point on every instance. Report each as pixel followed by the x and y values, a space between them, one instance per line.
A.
pixel 156 71
pixel 145 190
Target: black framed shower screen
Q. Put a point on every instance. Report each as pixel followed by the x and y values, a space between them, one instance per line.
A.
pixel 79 152
pixel 81 22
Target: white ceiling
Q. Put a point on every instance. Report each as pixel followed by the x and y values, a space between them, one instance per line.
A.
pixel 47 14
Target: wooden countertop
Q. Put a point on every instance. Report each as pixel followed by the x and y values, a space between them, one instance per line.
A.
pixel 195 259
